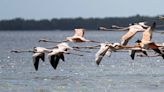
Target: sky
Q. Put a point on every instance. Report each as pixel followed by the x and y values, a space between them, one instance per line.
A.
pixel 48 9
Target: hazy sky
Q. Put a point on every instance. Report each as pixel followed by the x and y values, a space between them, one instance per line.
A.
pixel 47 9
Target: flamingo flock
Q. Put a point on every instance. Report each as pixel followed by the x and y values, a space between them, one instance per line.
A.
pixel 143 45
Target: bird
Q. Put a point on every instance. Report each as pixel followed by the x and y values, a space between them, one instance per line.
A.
pixel 153 46
pixel 101 52
pixel 133 29
pixel 105 49
pixel 38 53
pixel 77 37
pixel 58 53
pixel 146 43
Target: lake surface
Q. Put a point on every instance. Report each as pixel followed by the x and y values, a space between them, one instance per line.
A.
pixel 78 74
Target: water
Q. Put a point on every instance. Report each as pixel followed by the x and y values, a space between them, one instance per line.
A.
pixel 78 74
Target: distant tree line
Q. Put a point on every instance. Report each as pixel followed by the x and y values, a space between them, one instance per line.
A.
pixel 71 23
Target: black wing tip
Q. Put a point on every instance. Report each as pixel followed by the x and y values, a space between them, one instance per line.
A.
pixel 36 62
pixel 54 60
pixel 98 63
pixel 36 67
pixel 54 66
pixel 62 57
pixel 132 57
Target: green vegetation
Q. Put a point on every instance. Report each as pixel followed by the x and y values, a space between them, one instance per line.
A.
pixel 71 23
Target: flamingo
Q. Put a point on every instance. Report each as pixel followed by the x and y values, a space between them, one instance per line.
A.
pixel 105 49
pixel 153 46
pixel 77 37
pixel 133 29
pixel 58 53
pixel 39 53
pixel 146 42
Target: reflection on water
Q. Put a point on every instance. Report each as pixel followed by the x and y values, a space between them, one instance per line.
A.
pixel 78 74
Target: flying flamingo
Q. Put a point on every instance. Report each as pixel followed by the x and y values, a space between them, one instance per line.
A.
pixel 133 29
pixel 146 43
pixel 105 49
pixel 77 37
pixel 39 53
pixel 58 53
